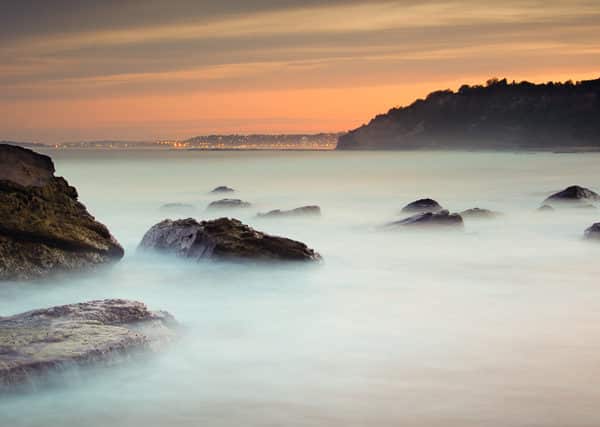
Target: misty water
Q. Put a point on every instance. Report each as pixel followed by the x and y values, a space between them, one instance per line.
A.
pixel 497 325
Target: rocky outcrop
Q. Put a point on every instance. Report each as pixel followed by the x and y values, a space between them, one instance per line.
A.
pixel 39 341
pixel 573 195
pixel 593 233
pixel 422 206
pixel 228 204
pixel 222 189
pixel 428 219
pixel 301 211
pixel 478 213
pixel 222 238
pixel 43 227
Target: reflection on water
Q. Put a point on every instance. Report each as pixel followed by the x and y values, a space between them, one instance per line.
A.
pixel 498 325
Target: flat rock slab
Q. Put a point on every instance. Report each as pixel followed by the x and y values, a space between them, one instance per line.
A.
pixel 222 238
pixel 301 211
pixel 38 341
pixel 228 204
pixel 479 213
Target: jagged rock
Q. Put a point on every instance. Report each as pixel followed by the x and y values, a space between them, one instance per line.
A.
pixel 222 238
pixel 443 219
pixel 423 205
pixel 593 233
pixel 43 227
pixel 574 195
pixel 301 211
pixel 177 207
pixel 222 189
pixel 228 204
pixel 38 341
pixel 478 213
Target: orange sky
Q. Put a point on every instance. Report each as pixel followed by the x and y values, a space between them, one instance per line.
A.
pixel 276 67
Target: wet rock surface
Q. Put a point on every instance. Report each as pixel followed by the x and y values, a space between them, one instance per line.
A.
pixel 427 219
pixel 301 211
pixel 43 227
pixel 422 206
pixel 223 238
pixel 228 204
pixel 593 233
pixel 573 195
pixel 36 342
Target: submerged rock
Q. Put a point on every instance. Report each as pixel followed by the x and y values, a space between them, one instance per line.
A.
pixel 545 208
pixel 478 213
pixel 443 219
pixel 574 195
pixel 222 238
pixel 423 205
pixel 177 207
pixel 593 233
pixel 43 227
pixel 38 341
pixel 301 211
pixel 222 189
pixel 228 204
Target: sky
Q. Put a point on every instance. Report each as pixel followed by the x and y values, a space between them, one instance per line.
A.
pixel 172 69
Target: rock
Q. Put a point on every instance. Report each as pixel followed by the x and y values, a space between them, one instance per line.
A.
pixel 478 213
pixel 423 205
pixel 228 204
pixel 301 211
pixel 222 189
pixel 43 227
pixel 222 238
pixel 177 207
pixel 545 208
pixel 442 219
pixel 35 342
pixel 593 233
pixel 573 195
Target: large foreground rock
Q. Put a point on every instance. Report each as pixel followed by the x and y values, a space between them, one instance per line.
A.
pixel 573 195
pixel 301 211
pixel 422 205
pixel 223 238
pixel 428 219
pixel 593 233
pixel 43 227
pixel 35 342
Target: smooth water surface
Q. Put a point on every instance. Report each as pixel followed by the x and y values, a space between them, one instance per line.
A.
pixel 497 325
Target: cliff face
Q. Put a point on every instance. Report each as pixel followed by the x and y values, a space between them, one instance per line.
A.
pixel 496 116
pixel 43 227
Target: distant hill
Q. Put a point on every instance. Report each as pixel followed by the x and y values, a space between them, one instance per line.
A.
pixel 499 115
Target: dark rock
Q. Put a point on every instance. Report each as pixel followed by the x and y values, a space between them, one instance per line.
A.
pixel 222 238
pixel 423 205
pixel 177 207
pixel 442 219
pixel 575 195
pixel 301 211
pixel 43 227
pixel 593 233
pixel 35 342
pixel 478 213
pixel 228 204
pixel 223 189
